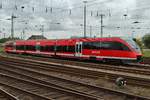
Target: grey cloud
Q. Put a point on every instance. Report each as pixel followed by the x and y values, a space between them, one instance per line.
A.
pixel 51 12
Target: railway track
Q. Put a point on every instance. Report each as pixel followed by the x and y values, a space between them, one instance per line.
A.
pixel 4 95
pixel 46 92
pixel 41 68
pixel 92 91
pixel 82 71
pixel 130 68
pixel 147 60
pixel 134 69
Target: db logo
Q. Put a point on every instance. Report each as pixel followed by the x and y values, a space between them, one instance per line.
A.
pixel 96 52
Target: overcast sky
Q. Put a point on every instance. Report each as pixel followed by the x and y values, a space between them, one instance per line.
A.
pixel 63 18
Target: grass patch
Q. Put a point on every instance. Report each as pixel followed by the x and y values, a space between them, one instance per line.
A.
pixel 146 53
pixel 1 49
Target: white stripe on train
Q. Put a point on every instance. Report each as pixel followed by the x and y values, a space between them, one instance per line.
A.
pixel 85 56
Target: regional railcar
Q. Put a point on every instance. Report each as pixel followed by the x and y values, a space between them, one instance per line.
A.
pixel 105 49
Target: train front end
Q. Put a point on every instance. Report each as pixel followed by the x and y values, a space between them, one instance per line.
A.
pixel 136 50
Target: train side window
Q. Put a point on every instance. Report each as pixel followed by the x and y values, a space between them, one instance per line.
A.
pixel 91 45
pixel 47 48
pixel 119 46
pixel 113 46
pixel 87 45
pixel 64 48
pixel 95 45
pixel 52 48
pixel 59 48
pixel 30 47
pixel 19 47
pixel 105 45
pixel 71 49
pixel 37 47
pixel 42 48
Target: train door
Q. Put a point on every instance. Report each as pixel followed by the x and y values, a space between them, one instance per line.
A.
pixel 78 49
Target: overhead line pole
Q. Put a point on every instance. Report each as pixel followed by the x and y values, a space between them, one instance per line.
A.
pixel 84 18
pixel 102 25
pixel 12 26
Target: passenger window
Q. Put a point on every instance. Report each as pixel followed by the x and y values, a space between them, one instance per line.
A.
pixel 30 47
pixel 71 49
pixel 37 47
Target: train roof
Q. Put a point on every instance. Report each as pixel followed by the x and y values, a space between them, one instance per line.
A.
pixel 72 39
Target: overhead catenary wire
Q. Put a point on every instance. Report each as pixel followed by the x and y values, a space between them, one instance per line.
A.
pixel 80 5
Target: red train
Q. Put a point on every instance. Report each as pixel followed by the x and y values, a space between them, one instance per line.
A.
pixel 105 49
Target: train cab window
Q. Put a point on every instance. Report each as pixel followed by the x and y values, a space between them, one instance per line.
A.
pixel 125 48
pixel 117 46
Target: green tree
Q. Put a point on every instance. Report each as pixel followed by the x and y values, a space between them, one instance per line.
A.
pixel 146 40
pixel 139 42
pixel 3 40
